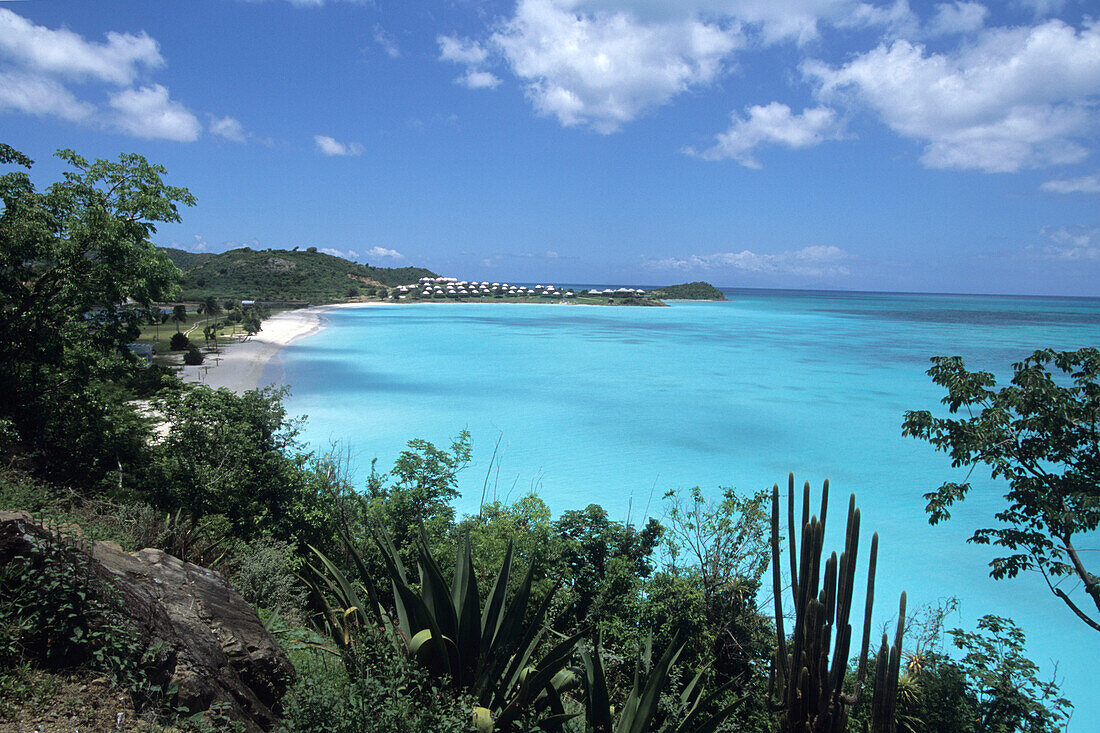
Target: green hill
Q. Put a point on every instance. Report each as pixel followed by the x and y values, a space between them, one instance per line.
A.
pixel 183 259
pixel 286 275
pixel 688 291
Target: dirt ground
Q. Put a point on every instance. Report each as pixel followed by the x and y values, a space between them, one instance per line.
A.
pixel 71 704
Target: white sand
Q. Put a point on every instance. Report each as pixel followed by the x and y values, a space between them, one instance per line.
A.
pixel 240 366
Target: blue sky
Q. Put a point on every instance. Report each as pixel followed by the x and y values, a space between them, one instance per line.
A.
pixel 944 147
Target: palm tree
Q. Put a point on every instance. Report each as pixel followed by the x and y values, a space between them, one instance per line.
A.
pixel 179 315
pixel 211 305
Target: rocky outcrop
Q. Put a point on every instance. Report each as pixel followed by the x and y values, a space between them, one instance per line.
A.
pixel 211 646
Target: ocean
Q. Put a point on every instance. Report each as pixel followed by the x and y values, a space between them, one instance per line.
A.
pixel 619 405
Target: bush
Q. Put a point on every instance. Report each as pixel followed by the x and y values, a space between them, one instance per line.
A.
pixel 179 342
pixel 193 357
pixel 264 577
pixel 396 696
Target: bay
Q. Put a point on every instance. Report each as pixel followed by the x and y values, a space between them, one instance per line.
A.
pixel 618 405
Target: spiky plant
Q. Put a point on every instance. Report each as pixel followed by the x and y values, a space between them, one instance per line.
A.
pixel 484 651
pixel 639 712
pixel 808 674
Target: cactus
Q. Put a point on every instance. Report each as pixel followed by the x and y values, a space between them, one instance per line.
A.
pixel 808 675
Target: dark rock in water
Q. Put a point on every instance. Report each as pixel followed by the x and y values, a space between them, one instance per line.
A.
pixel 215 649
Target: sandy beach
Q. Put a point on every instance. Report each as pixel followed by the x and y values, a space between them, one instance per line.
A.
pixel 240 366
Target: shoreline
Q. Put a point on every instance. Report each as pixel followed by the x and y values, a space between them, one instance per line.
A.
pixel 240 366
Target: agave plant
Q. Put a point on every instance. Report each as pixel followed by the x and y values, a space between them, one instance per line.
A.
pixel 639 712
pixel 484 651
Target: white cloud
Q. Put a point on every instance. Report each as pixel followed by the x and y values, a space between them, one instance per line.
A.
pixel 37 95
pixel 197 245
pixel 461 51
pixel 603 63
pixel 1084 184
pixel 474 79
pixel 148 112
pixel 1015 98
pixel 228 128
pixel 332 146
pixel 346 254
pixel 956 18
pixel 65 53
pixel 375 252
pixel 772 124
pixel 42 66
pixel 1073 243
pixel 386 42
pixel 472 55
pixel 604 69
pixel 817 261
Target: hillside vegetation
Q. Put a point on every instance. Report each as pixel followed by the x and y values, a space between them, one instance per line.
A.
pixel 284 275
pixel 688 291
pixel 185 260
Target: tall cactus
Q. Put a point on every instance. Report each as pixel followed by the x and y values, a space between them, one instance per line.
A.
pixel 809 670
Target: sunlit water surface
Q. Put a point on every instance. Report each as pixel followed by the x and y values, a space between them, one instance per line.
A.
pixel 619 405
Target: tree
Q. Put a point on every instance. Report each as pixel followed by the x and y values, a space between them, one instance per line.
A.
pixel 71 258
pixel 1040 434
pixel 179 315
pixel 424 483
pixel 234 455
pixel 592 546
pixel 1004 683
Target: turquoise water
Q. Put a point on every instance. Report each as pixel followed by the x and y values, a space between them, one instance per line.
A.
pixel 619 405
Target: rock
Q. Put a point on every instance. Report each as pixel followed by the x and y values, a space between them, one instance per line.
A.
pixel 212 645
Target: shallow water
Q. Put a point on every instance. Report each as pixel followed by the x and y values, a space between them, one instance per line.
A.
pixel 619 405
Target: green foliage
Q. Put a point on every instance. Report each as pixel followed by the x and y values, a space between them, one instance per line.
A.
pixel 179 315
pixel 418 492
pixel 392 694
pixel 1039 434
pixel 284 275
pixel 688 291
pixel 591 543
pixel 71 258
pixel 640 712
pixel 1010 696
pixel 183 259
pixel 193 357
pixel 236 456
pixel 179 342
pixel 486 652
pixel 264 573
pixel 56 613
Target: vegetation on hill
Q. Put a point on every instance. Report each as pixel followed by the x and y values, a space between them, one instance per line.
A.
pixel 183 259
pixel 288 275
pixel 688 291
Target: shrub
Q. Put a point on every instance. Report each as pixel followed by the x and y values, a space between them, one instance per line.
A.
pixel 193 357
pixel 397 696
pixel 264 577
pixel 179 342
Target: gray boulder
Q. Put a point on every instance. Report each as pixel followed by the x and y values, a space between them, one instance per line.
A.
pixel 212 646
